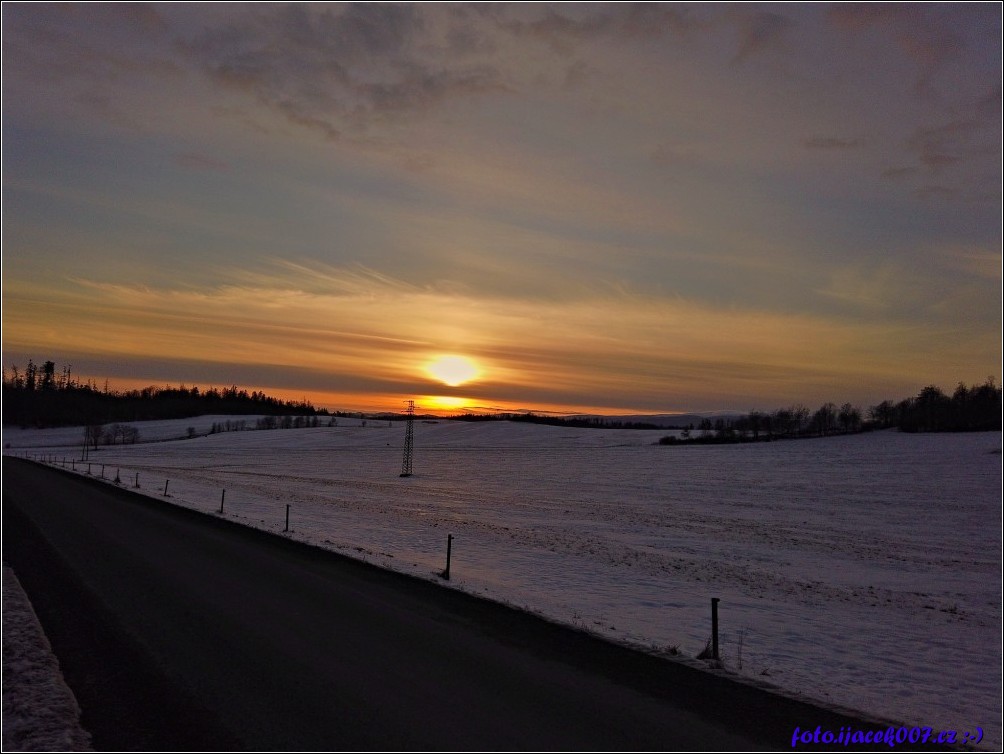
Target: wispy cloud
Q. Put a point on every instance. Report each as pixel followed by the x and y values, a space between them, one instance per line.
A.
pixel 356 324
pixel 863 15
pixel 759 32
pixel 831 142
pixel 954 142
pixel 331 69
pixel 563 26
pixel 897 173
pixel 197 161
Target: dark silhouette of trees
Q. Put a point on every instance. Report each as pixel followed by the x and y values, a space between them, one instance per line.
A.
pixel 976 408
pixel 824 420
pixel 34 398
pixel 789 422
pixel 849 418
pixel 30 375
pixel 883 415
pixel 93 433
pixel 48 376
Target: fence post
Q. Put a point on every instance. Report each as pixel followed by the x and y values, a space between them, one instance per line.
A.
pixel 287 517
pixel 221 500
pixel 166 482
pixel 714 627
pixel 449 551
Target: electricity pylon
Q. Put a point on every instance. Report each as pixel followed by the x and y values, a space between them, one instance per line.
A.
pixel 409 439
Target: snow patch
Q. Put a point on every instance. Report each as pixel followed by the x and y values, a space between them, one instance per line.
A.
pixel 40 712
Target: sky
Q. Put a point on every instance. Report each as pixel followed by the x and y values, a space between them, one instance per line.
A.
pixel 594 207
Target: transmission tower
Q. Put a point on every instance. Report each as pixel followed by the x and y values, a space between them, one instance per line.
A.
pixel 409 439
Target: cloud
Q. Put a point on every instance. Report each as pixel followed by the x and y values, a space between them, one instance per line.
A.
pixel 863 15
pixel 98 43
pixel 831 142
pixel 202 162
pixel 873 287
pixel 983 263
pixel 676 156
pixel 962 155
pixel 897 173
pixel 936 192
pixel 339 70
pixel 951 142
pixel 333 70
pixel 371 332
pixel 561 28
pixel 933 36
pixel 930 45
pixel 760 32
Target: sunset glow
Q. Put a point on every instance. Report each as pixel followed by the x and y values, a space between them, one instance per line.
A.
pixel 446 403
pixel 606 207
pixel 453 370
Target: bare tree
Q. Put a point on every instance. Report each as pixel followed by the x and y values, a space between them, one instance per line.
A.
pixel 849 418
pixel 825 419
pixel 884 414
pixel 93 434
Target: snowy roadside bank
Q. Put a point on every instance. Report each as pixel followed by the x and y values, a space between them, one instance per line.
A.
pixel 40 712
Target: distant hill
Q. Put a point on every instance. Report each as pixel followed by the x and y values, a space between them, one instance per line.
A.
pixel 598 421
pixel 662 421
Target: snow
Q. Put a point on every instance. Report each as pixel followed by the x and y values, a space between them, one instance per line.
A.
pixel 40 712
pixel 858 571
pixel 149 431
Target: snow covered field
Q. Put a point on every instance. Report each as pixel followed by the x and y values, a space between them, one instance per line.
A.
pixel 860 571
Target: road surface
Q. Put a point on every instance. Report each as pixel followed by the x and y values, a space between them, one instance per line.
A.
pixel 178 630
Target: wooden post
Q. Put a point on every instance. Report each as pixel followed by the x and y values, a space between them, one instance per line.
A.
pixel 137 480
pixel 714 627
pixel 287 517
pixel 449 551
pixel 166 482
pixel 221 501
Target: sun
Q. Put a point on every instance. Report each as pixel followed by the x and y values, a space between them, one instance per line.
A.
pixel 453 370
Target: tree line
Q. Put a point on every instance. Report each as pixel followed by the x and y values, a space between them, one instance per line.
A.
pixel 38 396
pixel 590 422
pixel 973 408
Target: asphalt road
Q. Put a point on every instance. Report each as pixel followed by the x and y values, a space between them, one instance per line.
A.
pixel 177 630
